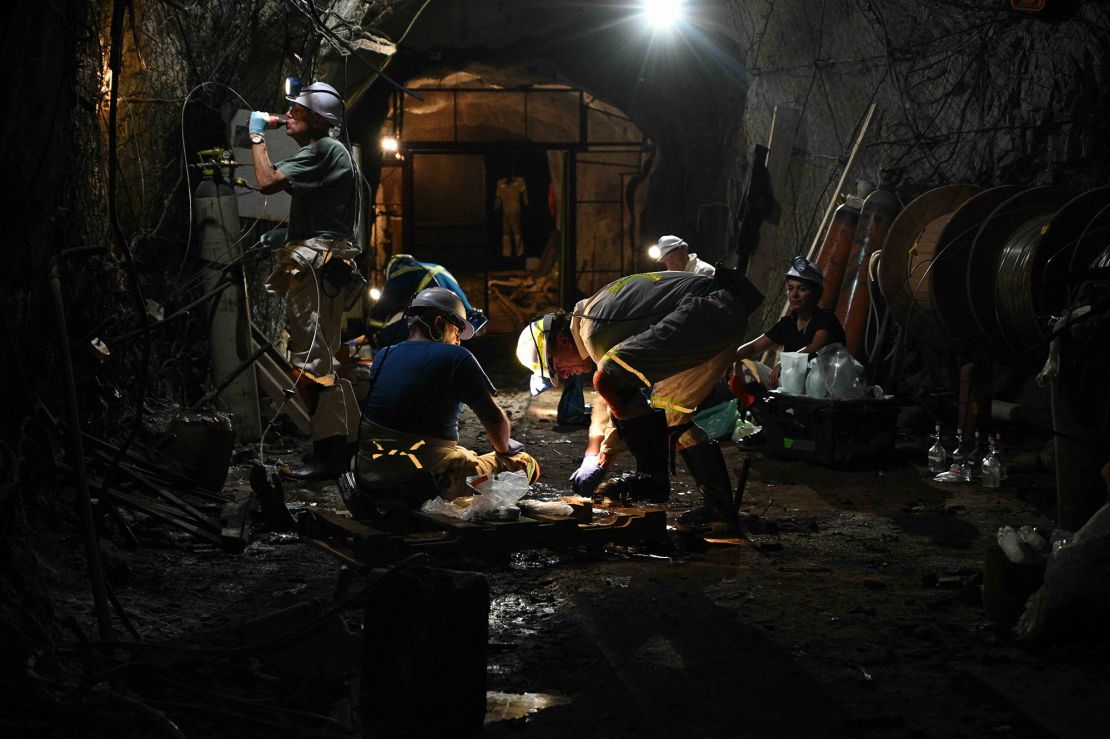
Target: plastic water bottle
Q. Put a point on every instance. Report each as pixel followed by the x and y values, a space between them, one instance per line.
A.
pixel 991 469
pixel 938 455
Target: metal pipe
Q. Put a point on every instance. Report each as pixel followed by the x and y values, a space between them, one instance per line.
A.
pixel 77 460
pixel 247 363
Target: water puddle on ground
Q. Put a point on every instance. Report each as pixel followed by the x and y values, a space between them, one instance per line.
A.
pixel 514 706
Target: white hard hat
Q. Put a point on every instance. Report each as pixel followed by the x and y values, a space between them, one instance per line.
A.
pixel 803 269
pixel 667 244
pixel 322 99
pixel 533 350
pixel 446 303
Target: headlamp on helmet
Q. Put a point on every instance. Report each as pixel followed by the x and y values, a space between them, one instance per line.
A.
pixel 803 269
pixel 319 97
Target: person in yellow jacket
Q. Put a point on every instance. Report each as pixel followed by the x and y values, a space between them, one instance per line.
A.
pixel 674 333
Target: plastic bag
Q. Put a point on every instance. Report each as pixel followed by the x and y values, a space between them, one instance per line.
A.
pixel 497 494
pixel 1024 546
pixel 717 421
pixel 546 507
pixel 792 378
pixel 816 386
pixel 744 429
pixel 1076 592
pixel 842 373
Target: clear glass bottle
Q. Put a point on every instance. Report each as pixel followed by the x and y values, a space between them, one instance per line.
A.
pixel 958 455
pixel 991 468
pixel 1003 472
pixel 938 455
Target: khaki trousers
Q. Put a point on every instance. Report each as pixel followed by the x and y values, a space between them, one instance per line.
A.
pixel 385 455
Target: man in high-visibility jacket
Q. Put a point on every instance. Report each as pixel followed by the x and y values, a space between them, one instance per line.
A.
pixel 674 333
pixel 404 278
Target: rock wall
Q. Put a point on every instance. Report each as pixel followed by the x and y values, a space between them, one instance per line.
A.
pixel 966 92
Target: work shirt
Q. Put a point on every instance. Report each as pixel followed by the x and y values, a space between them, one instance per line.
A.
pixel 322 183
pixel 698 267
pixel 403 283
pixel 419 388
pixel 657 324
pixel 786 333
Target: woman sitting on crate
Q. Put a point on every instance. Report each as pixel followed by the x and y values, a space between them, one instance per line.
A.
pixel 806 328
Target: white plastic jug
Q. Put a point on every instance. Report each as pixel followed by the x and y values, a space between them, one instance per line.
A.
pixel 815 379
pixel 792 377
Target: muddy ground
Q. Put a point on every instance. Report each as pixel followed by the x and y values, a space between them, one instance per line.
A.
pixel 852 609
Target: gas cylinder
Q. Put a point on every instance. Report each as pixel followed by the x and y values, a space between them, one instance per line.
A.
pixel 837 246
pixel 216 211
pixel 854 302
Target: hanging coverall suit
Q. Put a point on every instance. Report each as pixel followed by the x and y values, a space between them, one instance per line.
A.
pixel 675 333
pixel 511 198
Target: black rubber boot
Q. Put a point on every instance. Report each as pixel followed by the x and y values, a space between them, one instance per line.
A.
pixel 718 512
pixel 267 486
pixel 328 461
pixel 646 437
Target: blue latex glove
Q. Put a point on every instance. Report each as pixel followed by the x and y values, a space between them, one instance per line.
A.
pixel 515 447
pixel 586 478
pixel 259 122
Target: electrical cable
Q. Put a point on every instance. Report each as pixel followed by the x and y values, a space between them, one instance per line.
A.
pixel 185 161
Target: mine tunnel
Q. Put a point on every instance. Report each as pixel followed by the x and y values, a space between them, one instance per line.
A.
pixel 538 368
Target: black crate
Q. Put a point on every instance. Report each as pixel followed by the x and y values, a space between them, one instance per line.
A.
pixel 424 660
pixel 827 432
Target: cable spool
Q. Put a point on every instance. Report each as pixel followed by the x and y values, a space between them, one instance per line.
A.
pixel 1026 212
pixel 949 267
pixel 1023 291
pixel 1022 330
pixel 908 253
pixel 1058 245
pixel 1090 245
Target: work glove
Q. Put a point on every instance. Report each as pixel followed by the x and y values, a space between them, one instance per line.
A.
pixel 259 122
pixel 537 384
pixel 587 477
pixel 515 447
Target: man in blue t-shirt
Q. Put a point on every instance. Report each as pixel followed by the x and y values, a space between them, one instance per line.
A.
pixel 315 268
pixel 410 420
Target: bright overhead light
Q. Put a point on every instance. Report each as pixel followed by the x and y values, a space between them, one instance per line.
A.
pixel 653 252
pixel 663 13
pixel 375 294
pixel 390 144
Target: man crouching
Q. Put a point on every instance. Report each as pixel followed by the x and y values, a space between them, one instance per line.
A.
pixel 410 421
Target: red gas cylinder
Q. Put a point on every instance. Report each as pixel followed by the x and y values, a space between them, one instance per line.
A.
pixel 837 246
pixel 854 302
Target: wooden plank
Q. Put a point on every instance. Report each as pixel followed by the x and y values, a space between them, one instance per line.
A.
pixel 161 492
pixel 275 380
pixel 819 237
pixel 158 511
